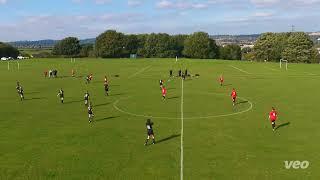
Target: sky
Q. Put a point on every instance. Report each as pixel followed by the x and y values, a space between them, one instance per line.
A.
pixel 56 19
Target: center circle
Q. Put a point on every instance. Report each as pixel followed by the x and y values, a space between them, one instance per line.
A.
pixel 202 106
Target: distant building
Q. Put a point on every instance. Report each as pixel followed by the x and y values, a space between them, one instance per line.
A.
pixel 246 46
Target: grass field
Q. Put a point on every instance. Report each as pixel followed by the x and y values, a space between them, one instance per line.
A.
pixel 32 51
pixel 40 138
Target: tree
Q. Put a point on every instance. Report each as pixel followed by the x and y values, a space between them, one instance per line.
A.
pixel 69 46
pixel 178 43
pixel 159 45
pixel 7 50
pixel 230 52
pixel 131 45
pixel 110 44
pixel 86 49
pixel 299 48
pixel 199 45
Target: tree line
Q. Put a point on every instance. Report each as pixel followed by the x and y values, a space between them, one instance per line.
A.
pixel 292 46
pixel 7 50
pixel 113 44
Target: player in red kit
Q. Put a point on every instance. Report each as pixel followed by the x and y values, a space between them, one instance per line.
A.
pixel 234 96
pixel 221 80
pixel 273 115
pixel 164 92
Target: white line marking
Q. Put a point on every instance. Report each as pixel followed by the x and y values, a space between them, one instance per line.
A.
pixel 138 72
pixel 174 118
pixel 181 150
pixel 309 73
pixel 240 69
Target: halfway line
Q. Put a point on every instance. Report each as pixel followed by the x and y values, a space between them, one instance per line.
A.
pixel 181 150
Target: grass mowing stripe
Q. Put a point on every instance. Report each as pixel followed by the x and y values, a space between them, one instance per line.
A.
pixel 181 150
pixel 138 72
pixel 240 69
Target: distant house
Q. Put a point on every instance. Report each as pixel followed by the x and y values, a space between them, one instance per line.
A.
pixel 247 46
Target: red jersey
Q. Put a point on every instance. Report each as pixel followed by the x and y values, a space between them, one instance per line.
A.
pixel 234 94
pixel 164 91
pixel 273 115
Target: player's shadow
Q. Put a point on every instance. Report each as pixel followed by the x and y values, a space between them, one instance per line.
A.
pixel 104 104
pixel 174 97
pixel 119 94
pixel 35 92
pixel 283 125
pixel 168 138
pixel 34 98
pixel 242 102
pixel 76 101
pixel 107 118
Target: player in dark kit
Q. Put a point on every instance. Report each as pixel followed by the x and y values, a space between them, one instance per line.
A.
pixel 90 113
pixel 150 133
pixel 20 91
pixel 61 95
pixel 87 79
pixel 106 88
pixel 86 98
pixel 171 73
pixel 273 115
pixel 161 82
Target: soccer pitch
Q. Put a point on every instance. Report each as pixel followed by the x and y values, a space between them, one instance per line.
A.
pixel 40 138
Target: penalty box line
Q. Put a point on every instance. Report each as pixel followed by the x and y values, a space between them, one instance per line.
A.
pixel 139 72
pixel 240 69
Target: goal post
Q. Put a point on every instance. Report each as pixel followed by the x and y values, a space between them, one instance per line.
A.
pixel 282 62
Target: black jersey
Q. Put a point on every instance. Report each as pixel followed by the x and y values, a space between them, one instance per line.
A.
pixel 20 90
pixel 61 94
pixel 149 126
pixel 90 110
pixel 86 96
pixel 161 82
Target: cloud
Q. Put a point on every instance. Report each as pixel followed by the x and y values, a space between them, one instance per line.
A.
pixel 102 1
pixel 98 2
pixel 182 5
pixel 3 1
pixel 134 2
pixel 286 4
pixel 58 27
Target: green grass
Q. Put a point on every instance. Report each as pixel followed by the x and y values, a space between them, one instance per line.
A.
pixel 43 139
pixel 32 51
